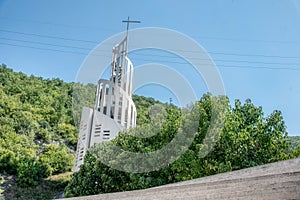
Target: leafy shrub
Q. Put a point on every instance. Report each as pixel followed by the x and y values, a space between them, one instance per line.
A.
pixel 57 159
pixel 30 173
pixel 13 149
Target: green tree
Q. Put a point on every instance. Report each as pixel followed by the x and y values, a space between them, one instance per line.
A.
pixel 248 138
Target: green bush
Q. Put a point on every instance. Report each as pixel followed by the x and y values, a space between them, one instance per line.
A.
pixel 57 159
pixel 30 173
pixel 13 149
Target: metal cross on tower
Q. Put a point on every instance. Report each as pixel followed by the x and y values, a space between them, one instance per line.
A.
pixel 128 21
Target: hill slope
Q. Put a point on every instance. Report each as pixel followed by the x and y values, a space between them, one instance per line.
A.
pixel 279 180
pixel 38 136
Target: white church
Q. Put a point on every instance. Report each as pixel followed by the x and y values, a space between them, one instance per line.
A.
pixel 114 109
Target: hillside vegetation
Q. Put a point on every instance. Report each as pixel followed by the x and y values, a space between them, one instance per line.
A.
pixel 38 130
pixel 248 138
pixel 295 141
pixel 38 136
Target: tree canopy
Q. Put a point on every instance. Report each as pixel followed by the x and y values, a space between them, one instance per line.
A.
pixel 39 128
pixel 248 138
pixel 38 135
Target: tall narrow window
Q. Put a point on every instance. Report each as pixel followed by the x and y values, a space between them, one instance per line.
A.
pixel 106 89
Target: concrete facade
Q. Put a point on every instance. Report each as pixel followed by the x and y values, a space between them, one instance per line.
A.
pixel 114 109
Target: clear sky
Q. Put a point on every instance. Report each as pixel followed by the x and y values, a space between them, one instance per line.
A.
pixel 254 43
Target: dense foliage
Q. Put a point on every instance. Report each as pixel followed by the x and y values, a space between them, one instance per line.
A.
pixel 38 124
pixel 248 138
pixel 295 141
pixel 37 130
pixel 38 136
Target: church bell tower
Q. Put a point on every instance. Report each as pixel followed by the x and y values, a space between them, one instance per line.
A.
pixel 114 109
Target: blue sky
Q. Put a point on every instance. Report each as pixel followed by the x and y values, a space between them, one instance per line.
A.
pixel 255 44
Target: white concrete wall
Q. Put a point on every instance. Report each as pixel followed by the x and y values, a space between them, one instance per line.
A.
pixel 84 136
pixel 114 109
pixel 104 129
